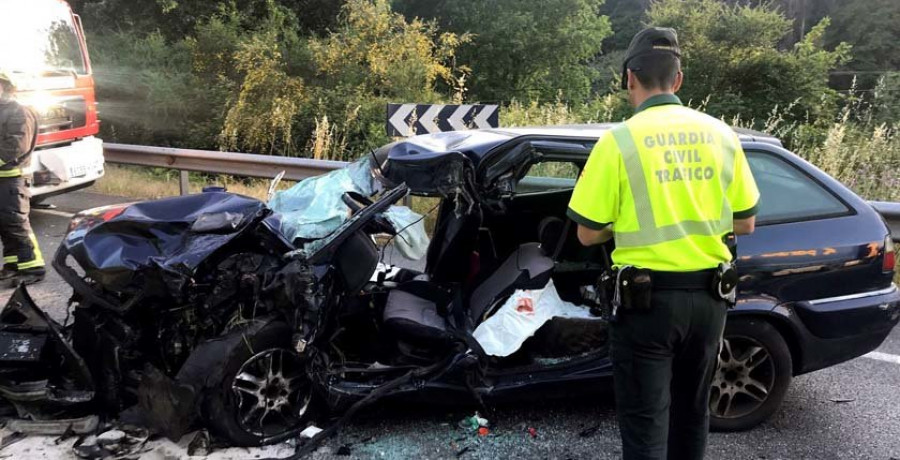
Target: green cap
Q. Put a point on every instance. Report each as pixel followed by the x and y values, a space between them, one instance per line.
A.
pixel 650 41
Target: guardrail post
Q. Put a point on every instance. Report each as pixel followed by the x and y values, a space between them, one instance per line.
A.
pixel 184 183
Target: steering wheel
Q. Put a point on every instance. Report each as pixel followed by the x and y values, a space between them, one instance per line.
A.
pixel 359 220
pixel 355 201
pixel 378 224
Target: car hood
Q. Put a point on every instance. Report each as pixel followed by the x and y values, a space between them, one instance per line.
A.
pixel 169 237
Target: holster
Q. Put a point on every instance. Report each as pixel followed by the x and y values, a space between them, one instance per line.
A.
pixel 627 288
pixel 606 288
pixel 635 288
pixel 725 284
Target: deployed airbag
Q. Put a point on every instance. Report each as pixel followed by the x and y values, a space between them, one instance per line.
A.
pixel 313 209
pixel 411 240
pixel 521 316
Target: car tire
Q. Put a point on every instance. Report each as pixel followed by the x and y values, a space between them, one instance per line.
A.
pixel 752 377
pixel 225 407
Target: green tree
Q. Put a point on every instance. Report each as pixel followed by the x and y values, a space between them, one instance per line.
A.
pixel 162 91
pixel 375 56
pixel 625 17
pixel 257 66
pixel 176 19
pixel 523 49
pixel 149 93
pixel 260 117
pixel 732 61
pixel 873 27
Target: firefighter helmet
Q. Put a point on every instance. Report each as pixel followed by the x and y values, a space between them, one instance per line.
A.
pixel 6 80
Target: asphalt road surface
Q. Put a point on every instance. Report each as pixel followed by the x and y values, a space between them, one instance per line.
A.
pixel 849 411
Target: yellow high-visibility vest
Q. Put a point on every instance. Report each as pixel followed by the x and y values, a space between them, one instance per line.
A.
pixel 670 180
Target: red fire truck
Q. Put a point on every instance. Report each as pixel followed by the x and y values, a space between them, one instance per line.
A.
pixel 42 47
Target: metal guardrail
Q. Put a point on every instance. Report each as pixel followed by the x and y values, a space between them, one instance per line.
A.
pixel 236 164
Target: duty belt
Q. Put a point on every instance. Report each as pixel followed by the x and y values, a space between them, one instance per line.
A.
pixel 701 279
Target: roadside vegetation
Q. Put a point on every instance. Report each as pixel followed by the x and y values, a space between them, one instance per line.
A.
pixel 311 78
pixel 148 183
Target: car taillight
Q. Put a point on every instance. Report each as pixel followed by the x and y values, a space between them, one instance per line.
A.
pixel 890 257
pixel 91 217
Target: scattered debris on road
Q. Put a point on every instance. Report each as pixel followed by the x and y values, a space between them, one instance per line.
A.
pixel 474 422
pixel 200 445
pixel 310 432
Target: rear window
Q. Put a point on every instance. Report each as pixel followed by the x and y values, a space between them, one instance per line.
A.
pixel 787 194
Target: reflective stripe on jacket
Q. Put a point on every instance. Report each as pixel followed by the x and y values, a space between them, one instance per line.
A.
pixel 18 135
pixel 670 181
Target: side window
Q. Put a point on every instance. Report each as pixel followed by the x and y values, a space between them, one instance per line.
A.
pixel 787 194
pixel 549 176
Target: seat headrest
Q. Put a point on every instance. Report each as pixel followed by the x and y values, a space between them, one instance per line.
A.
pixel 550 232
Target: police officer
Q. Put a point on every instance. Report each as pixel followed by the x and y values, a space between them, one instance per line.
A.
pixel 670 185
pixel 22 259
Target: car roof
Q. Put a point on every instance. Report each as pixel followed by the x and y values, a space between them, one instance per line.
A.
pixel 595 130
pixel 477 143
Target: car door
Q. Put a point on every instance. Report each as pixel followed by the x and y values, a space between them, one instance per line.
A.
pixel 814 238
pixel 529 184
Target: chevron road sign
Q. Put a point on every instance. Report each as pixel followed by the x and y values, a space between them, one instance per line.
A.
pixel 411 119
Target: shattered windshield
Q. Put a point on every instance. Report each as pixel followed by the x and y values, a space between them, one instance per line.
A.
pixel 39 37
pixel 313 208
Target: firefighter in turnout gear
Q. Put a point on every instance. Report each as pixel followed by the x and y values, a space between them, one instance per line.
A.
pixel 671 186
pixel 22 259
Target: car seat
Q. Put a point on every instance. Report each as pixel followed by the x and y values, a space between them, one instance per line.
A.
pixel 449 253
pixel 420 313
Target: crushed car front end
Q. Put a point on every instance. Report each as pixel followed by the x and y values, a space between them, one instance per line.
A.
pixel 181 308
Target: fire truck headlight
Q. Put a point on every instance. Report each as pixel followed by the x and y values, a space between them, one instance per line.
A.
pixel 42 103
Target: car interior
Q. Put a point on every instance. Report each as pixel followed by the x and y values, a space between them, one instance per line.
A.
pixel 474 262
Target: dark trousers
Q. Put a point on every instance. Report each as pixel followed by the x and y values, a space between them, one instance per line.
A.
pixel 663 361
pixel 19 243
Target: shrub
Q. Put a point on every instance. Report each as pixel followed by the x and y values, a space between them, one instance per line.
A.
pixel 731 51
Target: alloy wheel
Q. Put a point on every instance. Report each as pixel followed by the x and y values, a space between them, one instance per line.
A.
pixel 743 380
pixel 272 392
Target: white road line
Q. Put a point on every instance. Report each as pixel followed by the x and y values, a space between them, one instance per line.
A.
pixel 887 357
pixel 53 212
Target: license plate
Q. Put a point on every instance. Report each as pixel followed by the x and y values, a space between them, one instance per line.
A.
pixel 82 170
pixel 79 170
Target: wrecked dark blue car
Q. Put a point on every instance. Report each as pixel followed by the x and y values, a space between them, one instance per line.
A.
pixel 198 309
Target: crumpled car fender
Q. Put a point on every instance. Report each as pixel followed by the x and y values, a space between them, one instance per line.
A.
pixel 42 373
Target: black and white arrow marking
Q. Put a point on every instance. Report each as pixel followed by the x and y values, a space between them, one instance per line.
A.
pixel 411 119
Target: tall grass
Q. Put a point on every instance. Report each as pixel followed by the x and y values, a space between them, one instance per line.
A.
pixel 145 184
pixel 865 158
pixel 860 148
